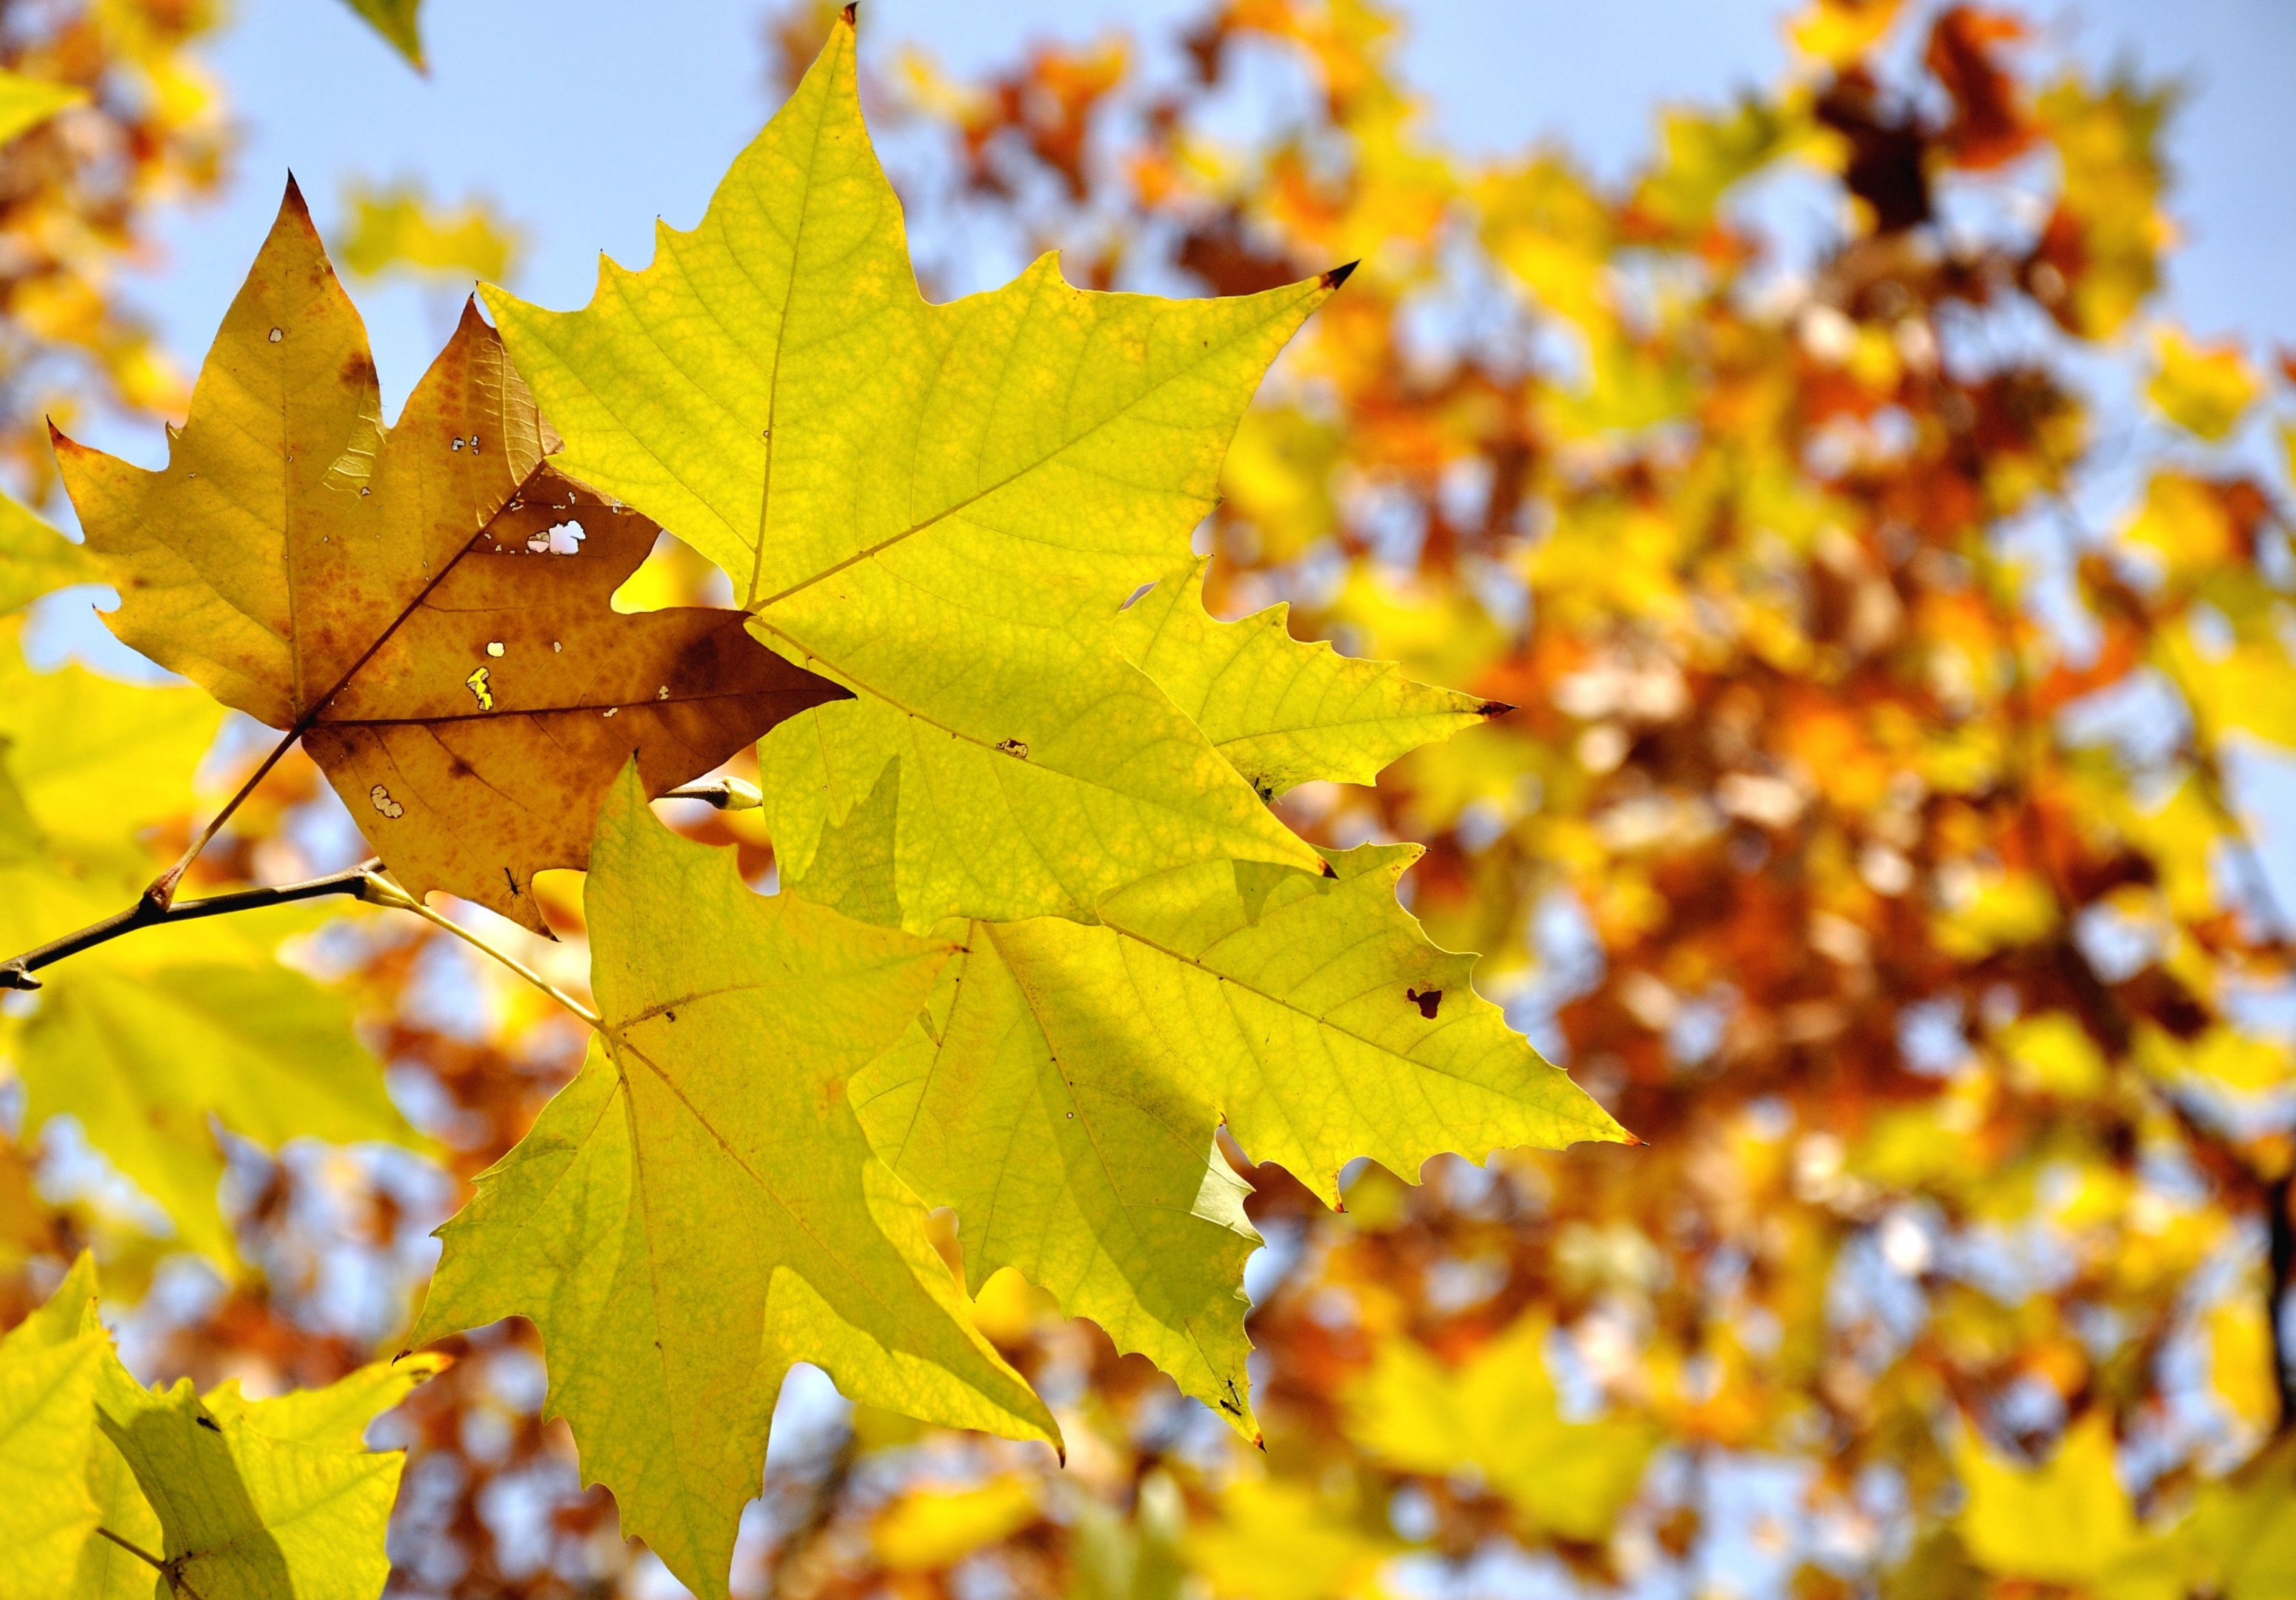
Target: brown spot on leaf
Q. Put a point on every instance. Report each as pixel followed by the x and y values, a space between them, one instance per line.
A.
pixel 1018 749
pixel 1426 1002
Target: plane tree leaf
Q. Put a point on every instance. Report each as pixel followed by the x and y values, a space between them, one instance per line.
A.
pixel 48 1371
pixel 144 1040
pixel 1063 1089
pixel 700 1209
pixel 85 762
pixel 1497 1413
pixel 937 506
pixel 1283 711
pixel 142 1058
pixel 428 606
pixel 36 559
pixel 121 1491
pixel 397 21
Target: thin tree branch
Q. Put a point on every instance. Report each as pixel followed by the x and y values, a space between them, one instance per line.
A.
pixel 2280 1277
pixel 149 913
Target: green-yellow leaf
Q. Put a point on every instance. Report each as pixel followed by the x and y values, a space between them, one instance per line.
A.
pixel 96 759
pixel 229 1499
pixel 85 762
pixel 2066 1521
pixel 397 22
pixel 26 103
pixel 400 229
pixel 2241 1530
pixel 49 1369
pixel 337 1417
pixel 1276 1541
pixel 1495 1414
pixel 1063 1088
pixel 2205 389
pixel 36 559
pixel 700 1209
pixel 243 1516
pixel 143 1058
pixel 939 506
pixel 1283 711
pixel 100 1570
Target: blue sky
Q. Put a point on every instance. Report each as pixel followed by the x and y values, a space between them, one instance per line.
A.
pixel 586 120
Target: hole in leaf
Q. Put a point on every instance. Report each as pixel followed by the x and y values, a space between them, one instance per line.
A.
pixel 560 539
pixel 383 803
pixel 477 684
pixel 276 335
pixel 494 647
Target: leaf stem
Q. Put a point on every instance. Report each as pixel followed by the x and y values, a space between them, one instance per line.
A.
pixel 137 1551
pixel 383 892
pixel 149 912
pixel 727 794
pixel 161 890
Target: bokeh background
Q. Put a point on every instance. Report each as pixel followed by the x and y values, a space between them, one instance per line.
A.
pixel 1858 439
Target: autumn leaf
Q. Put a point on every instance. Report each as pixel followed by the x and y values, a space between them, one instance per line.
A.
pixel 142 1058
pixel 48 1371
pixel 700 1210
pixel 1277 1541
pixel 87 761
pixel 2066 1521
pixel 927 1531
pixel 222 1495
pixel 1283 711
pixel 937 506
pixel 426 606
pixel 1495 1414
pixel 142 1042
pixel 26 103
pixel 1063 1089
pixel 395 20
pixel 36 559
pixel 399 229
pixel 2241 1528
pixel 2205 389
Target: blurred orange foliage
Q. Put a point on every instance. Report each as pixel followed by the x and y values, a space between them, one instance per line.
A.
pixel 1886 615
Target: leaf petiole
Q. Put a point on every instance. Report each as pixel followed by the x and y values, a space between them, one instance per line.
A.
pixel 381 891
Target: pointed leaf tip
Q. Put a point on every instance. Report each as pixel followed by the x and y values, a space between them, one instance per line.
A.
pixel 1493 707
pixel 1340 275
pixel 850 15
